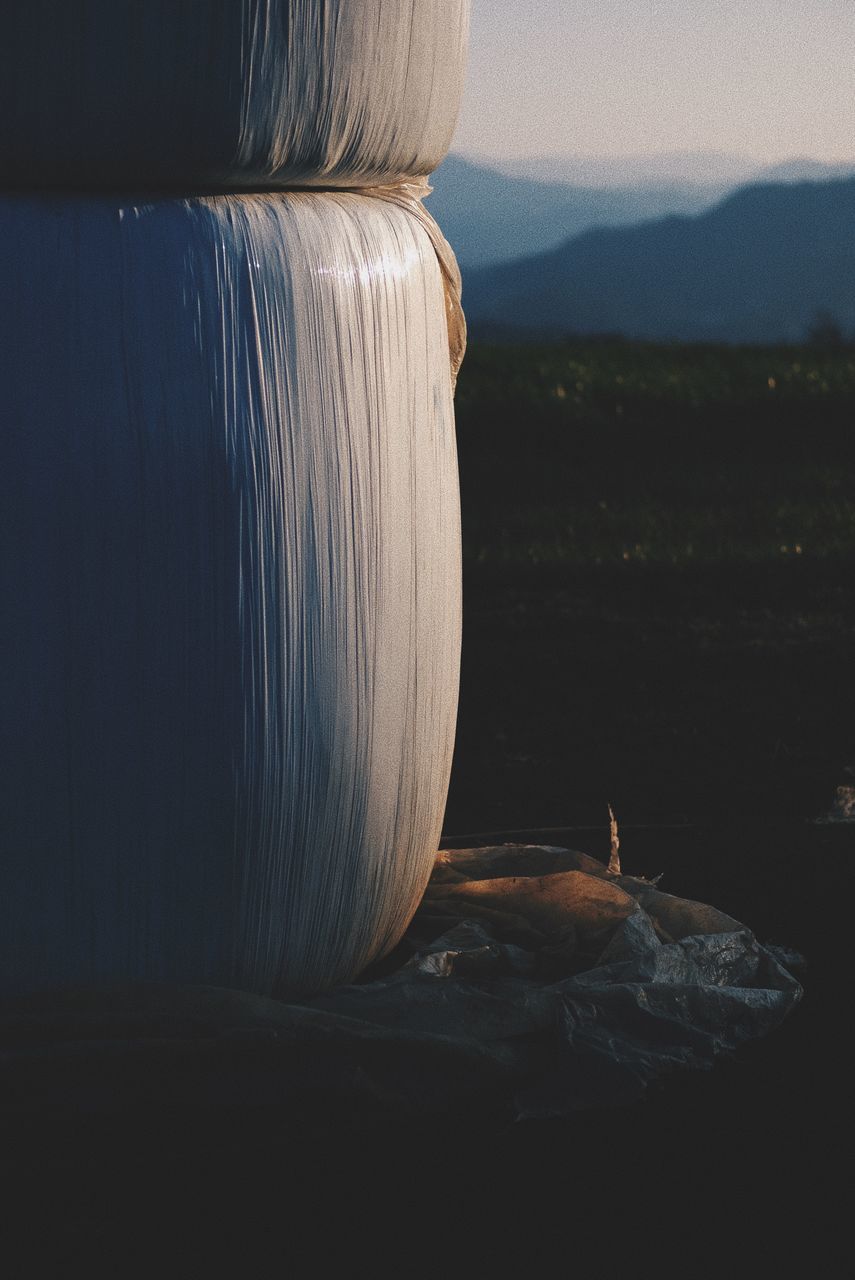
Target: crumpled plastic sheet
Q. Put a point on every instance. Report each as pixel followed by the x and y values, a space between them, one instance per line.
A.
pixel 626 981
pixel 227 94
pixel 537 981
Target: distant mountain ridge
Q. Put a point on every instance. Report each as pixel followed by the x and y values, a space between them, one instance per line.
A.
pixel 682 168
pixel 757 267
pixel 491 217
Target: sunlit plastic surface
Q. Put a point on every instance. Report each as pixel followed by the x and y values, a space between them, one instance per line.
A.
pixel 230 586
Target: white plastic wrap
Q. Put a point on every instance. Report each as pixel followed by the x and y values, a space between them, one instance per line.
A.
pixel 230 586
pixel 225 94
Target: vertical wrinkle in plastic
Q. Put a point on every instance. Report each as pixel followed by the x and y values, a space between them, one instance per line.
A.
pixel 230 580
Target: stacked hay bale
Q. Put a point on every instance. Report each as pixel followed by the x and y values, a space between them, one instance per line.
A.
pixel 230 551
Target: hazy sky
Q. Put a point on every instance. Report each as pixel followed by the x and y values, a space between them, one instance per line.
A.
pixel 768 79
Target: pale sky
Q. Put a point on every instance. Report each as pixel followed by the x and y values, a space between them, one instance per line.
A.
pixel 769 79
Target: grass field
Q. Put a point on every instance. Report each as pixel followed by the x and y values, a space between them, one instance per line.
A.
pixel 659 546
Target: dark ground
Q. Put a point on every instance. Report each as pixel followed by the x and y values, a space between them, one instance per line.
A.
pixel 659 613
pixel 659 597
pixel 740 1171
pixel 659 570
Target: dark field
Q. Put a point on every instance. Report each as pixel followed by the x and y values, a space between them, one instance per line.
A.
pixel 659 593
pixel 659 612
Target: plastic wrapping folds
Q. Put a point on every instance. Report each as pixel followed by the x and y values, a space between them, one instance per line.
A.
pixel 227 93
pixel 537 983
pixel 229 583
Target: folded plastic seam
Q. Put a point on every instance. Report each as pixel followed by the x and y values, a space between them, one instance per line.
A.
pixel 410 193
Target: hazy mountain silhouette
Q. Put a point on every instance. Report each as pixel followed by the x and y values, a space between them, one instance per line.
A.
pixel 490 217
pixel 675 168
pixel 804 170
pixel 756 268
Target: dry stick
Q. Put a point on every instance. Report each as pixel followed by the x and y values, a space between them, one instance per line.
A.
pixel 614 841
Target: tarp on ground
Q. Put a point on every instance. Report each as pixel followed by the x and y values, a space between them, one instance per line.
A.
pixel 536 982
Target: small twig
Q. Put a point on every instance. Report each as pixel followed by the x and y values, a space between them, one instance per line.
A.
pixel 614 841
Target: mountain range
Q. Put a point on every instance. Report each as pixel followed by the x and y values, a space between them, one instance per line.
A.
pixel 697 168
pixel 493 216
pixel 756 267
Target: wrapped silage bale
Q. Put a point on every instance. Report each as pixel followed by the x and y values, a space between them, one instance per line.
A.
pixel 229 586
pixel 227 94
